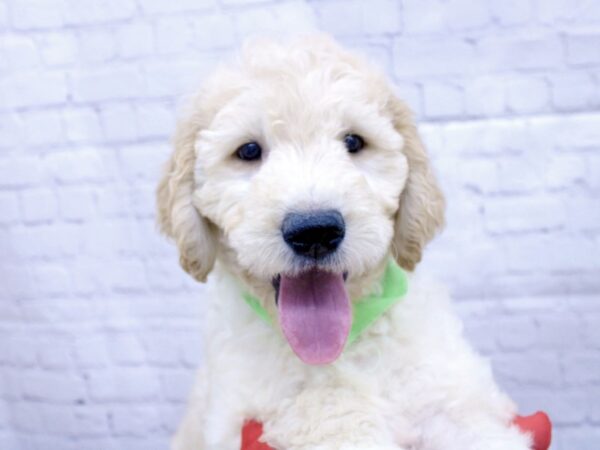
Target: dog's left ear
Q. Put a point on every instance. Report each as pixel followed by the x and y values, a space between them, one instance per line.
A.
pixel 177 216
pixel 421 211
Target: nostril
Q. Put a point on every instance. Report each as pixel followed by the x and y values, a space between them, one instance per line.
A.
pixel 314 234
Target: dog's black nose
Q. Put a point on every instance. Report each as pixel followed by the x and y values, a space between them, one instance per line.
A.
pixel 313 234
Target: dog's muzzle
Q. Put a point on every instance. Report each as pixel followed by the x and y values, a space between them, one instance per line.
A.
pixel 314 234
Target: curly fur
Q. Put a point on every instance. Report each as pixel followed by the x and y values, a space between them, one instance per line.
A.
pixel 411 381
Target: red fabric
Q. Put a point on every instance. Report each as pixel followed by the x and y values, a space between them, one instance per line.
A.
pixel 251 434
pixel 537 424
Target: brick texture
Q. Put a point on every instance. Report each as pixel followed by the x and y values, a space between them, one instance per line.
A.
pixel 98 325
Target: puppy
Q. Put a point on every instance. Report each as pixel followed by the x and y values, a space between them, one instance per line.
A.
pixel 299 182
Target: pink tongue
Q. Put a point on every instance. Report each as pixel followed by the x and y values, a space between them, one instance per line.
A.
pixel 315 316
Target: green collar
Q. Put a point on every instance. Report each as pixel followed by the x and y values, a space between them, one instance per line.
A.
pixel 368 309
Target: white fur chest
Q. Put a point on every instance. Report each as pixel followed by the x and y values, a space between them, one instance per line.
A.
pixel 253 374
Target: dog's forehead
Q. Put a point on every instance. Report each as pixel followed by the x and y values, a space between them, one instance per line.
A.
pixel 310 102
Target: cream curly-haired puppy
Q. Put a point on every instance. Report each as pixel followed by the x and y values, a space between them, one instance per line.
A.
pixel 297 179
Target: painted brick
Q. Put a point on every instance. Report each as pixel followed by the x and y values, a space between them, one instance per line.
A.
pixel 523 214
pixel 135 40
pixel 143 160
pixel 82 125
pixel 9 206
pixel 89 164
pixel 583 49
pixel 569 337
pixel 43 128
pixel 75 203
pixel 343 18
pixel 127 384
pixel 113 202
pixel 506 96
pixel 161 7
pixel 97 45
pixel 50 386
pixel 28 418
pixel 91 421
pixel 91 351
pixel 18 53
pixel 485 96
pixel 442 100
pixel 38 205
pixel 177 384
pixel 581 438
pixel 175 78
pixel 58 48
pixel 4 15
pixel 143 200
pixel 128 276
pixel 46 241
pixel 562 171
pixel 539 52
pixel 162 349
pixel 573 373
pixel 566 407
pixel 593 180
pixel 103 84
pixel 126 349
pixel 33 89
pixel 553 11
pixel 236 3
pixel 573 91
pixel 117 122
pixel 432 16
pixel 527 95
pixel 432 56
pixel 591 331
pixel 515 333
pixel 523 174
pixel 154 120
pixel 512 12
pixel 84 12
pixel 466 15
pixel 135 421
pixel 51 280
pixel 286 18
pixel 56 353
pixel 528 370
pixel 29 14
pixel 17 282
pixel 213 31
pixel 12 131
pixel 424 17
pixel 19 350
pixel 173 34
pixel 584 213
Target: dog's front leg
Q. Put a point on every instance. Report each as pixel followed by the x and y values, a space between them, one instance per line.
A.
pixel 336 417
pixel 190 433
pixel 209 423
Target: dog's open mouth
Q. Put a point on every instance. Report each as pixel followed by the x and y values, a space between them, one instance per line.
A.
pixel 315 314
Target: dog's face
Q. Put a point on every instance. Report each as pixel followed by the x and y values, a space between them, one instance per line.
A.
pixel 302 172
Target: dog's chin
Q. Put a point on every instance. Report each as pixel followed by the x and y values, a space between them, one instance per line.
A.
pixel 315 312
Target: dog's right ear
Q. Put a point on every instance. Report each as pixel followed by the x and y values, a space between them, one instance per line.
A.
pixel 178 218
pixel 422 205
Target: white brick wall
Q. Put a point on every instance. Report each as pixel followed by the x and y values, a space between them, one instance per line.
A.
pixel 98 329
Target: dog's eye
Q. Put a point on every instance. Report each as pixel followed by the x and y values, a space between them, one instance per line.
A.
pixel 354 143
pixel 250 151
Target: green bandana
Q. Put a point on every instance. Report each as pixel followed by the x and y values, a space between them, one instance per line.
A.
pixel 368 309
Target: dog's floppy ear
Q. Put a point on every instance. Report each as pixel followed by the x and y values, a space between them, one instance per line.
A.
pixel 421 211
pixel 177 215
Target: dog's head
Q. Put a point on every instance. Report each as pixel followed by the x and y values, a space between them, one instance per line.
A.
pixel 300 170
